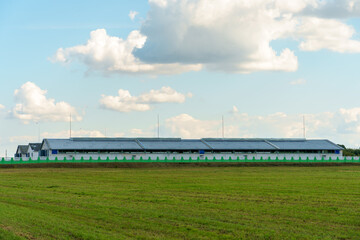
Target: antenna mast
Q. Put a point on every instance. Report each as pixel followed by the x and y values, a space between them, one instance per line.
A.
pixel 304 130
pixel 158 126
pixel 222 126
pixel 70 125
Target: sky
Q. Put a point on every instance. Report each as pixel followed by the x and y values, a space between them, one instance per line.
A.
pixel 115 67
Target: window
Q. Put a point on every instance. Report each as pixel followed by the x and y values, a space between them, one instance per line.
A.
pixel 54 151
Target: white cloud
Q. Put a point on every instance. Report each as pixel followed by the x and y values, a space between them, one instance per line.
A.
pixel 2 107
pixel 231 36
pixel 222 35
pixel 33 105
pixel 234 110
pixel 132 14
pixel 341 126
pixel 23 140
pixel 350 115
pixel 112 54
pixel 327 34
pixel 334 9
pixel 74 133
pixel 124 102
pixel 299 81
pixel 187 126
pixel 134 132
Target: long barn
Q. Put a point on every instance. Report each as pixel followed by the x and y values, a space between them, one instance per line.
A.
pixel 194 148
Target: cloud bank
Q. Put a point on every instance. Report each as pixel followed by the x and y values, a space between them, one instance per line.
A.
pixel 232 36
pixel 33 105
pixel 125 102
pixel 341 126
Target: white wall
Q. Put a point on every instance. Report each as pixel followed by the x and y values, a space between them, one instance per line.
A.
pixel 194 156
pixel 32 154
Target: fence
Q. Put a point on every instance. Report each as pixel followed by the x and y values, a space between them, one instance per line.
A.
pixel 181 160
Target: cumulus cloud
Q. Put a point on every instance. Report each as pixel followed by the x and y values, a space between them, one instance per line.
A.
pixel 187 126
pixel 134 132
pixel 341 126
pixel 327 34
pixel 132 14
pixel 334 9
pixel 113 54
pixel 125 102
pixel 23 139
pixel 232 36
pixel 222 35
pixel 74 133
pixel 33 105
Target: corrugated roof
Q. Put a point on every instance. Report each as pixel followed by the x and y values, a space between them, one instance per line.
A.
pixel 303 144
pixel 238 144
pixel 35 146
pixel 227 144
pixel 93 144
pixel 22 149
pixel 173 144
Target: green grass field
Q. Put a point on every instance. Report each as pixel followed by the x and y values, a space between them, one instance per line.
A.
pixel 181 203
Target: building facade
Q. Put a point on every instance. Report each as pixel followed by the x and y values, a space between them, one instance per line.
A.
pixel 178 148
pixel 33 150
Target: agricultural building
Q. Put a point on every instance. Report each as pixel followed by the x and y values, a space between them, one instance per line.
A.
pixel 33 150
pixel 176 148
pixel 21 151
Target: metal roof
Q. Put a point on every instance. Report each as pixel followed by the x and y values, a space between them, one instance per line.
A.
pixel 22 149
pixel 92 144
pixel 163 144
pixel 238 144
pixel 35 146
pixel 173 144
pixel 303 144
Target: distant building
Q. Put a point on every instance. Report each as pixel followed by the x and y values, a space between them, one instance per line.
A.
pixel 33 150
pixel 177 147
pixel 25 151
pixel 21 151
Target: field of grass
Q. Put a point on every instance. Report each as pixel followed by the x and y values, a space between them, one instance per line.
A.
pixel 284 202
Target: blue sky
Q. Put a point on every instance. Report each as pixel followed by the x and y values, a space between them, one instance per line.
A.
pixel 263 65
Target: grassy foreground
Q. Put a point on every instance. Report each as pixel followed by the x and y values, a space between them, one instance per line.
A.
pixel 181 203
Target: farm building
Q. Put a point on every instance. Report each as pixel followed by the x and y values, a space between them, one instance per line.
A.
pixel 194 148
pixel 21 151
pixel 31 150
